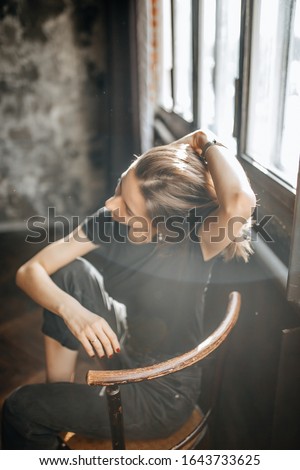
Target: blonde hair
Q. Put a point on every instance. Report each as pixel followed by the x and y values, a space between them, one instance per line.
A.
pixel 173 181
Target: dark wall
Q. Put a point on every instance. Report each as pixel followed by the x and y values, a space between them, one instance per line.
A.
pixel 66 104
pixel 254 394
pixel 124 115
pixel 53 88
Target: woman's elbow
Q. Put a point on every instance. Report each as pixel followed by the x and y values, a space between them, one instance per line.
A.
pixel 242 205
pixel 247 204
pixel 22 273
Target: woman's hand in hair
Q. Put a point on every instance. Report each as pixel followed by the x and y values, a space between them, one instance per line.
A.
pixel 93 331
pixel 197 139
pixel 200 138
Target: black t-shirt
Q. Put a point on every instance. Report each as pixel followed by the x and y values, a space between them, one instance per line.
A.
pixel 163 286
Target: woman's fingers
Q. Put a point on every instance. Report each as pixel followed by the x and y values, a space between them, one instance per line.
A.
pixel 198 140
pixel 95 335
pixel 97 346
pixel 100 338
pixel 107 337
pixel 87 346
pixel 111 335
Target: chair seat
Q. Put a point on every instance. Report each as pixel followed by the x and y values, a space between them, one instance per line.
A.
pixel 78 442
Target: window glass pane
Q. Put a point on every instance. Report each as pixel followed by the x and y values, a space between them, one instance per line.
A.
pixel 270 39
pixel 219 66
pixel 290 149
pixel 183 94
pixel 227 64
pixel 207 64
pixel 264 81
pixel 166 60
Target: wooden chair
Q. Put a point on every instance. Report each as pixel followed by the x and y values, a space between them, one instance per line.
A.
pixel 194 430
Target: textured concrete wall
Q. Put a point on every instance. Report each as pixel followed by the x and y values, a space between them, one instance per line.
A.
pixel 53 102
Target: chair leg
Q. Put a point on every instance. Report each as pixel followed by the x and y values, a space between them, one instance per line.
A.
pixel 113 395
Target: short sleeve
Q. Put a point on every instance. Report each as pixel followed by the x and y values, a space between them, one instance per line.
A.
pixel 99 227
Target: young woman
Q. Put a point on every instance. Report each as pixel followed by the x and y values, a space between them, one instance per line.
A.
pixel 174 210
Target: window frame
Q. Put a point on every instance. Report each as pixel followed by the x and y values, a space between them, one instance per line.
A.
pixel 178 125
pixel 293 282
pixel 279 197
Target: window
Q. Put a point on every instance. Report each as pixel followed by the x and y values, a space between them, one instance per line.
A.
pixel 274 87
pixel 182 57
pixel 166 57
pixel 272 140
pixel 218 66
pixel 290 145
pixel 176 57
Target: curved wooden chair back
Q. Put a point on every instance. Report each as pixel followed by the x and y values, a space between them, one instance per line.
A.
pixel 193 431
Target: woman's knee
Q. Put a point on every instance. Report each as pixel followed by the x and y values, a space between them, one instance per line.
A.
pixel 80 279
pixel 67 273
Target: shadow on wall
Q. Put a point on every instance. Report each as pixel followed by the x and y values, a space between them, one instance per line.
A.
pixel 53 103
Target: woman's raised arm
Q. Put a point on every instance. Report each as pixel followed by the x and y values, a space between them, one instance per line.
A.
pixel 235 196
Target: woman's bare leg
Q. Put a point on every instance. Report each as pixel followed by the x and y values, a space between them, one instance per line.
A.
pixel 84 282
pixel 60 361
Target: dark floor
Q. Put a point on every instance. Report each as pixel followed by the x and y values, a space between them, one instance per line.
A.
pixel 21 341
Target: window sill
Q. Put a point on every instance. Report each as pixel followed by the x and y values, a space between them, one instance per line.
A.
pixel 275 200
pixel 174 122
